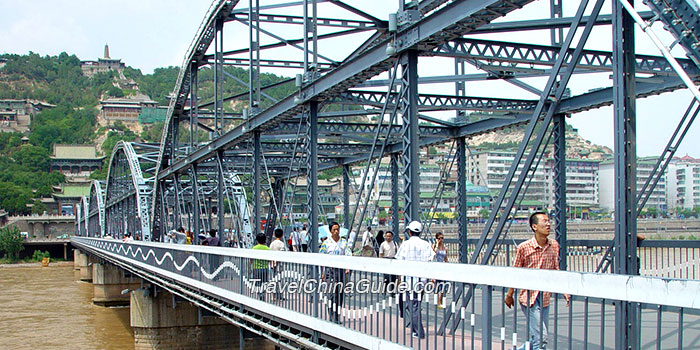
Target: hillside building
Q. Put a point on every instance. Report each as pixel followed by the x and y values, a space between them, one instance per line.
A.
pixel 16 115
pixel 75 161
pixel 128 109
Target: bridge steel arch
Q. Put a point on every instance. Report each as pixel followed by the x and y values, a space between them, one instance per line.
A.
pixel 128 190
pixel 81 219
pixel 96 209
pixel 272 143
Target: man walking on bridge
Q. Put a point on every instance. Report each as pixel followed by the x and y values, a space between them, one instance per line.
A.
pixel 539 252
pixel 415 249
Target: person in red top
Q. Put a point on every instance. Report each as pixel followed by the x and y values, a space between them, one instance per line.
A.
pixel 539 252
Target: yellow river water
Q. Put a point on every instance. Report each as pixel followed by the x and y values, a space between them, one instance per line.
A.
pixel 48 308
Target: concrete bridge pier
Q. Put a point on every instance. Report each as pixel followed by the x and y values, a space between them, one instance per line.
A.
pixel 108 282
pixel 76 254
pixel 84 263
pixel 161 323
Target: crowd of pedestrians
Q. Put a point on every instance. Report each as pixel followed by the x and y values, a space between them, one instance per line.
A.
pixel 539 252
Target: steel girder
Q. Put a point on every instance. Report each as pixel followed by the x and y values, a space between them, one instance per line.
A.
pixel 525 57
pixel 681 18
pixel 81 223
pixel 331 129
pixel 428 102
pixel 96 211
pixel 444 24
pixel 321 22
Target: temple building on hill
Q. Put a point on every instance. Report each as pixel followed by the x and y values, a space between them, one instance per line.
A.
pixel 75 161
pixel 126 109
pixel 16 115
pixel 104 64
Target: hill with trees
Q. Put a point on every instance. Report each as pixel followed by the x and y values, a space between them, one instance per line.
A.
pixel 25 174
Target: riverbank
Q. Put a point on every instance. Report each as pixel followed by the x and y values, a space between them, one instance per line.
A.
pixel 36 264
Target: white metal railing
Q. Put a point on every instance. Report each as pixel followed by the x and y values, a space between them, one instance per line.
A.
pixel 372 319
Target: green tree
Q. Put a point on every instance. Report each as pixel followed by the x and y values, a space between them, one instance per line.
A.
pixel 14 198
pixel 484 213
pixel 115 91
pixel 38 207
pixel 11 242
pixel 33 157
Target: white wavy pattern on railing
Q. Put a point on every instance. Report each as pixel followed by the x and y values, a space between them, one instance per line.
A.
pixel 346 312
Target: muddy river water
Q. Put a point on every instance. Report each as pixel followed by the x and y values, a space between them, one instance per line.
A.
pixel 49 308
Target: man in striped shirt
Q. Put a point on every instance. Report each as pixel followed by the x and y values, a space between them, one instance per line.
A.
pixel 539 252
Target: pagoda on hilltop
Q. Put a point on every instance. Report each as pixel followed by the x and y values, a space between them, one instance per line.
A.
pixel 104 64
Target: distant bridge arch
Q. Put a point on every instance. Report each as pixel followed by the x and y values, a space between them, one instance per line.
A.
pixel 128 190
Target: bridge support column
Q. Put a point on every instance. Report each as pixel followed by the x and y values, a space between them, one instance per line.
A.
pixel 84 264
pixel 161 323
pixel 76 257
pixel 109 282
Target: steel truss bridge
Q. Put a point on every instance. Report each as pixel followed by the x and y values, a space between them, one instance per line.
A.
pixel 402 69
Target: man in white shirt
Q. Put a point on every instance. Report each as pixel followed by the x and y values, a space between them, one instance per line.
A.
pixel 296 240
pixel 335 245
pixel 178 237
pixel 278 245
pixel 387 250
pixel 304 239
pixel 415 249
pixel 367 243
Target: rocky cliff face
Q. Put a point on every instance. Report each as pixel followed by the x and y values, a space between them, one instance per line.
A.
pixel 576 146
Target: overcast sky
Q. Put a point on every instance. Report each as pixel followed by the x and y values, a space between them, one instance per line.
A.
pixel 147 34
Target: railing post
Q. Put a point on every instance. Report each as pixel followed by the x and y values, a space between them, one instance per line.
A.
pixel 486 314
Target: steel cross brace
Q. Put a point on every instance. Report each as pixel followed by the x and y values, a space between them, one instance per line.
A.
pixel 525 56
pixel 549 103
pixel 432 102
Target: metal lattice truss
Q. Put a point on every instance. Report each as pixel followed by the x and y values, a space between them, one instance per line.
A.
pixel 128 190
pixel 372 81
pixel 81 223
pixel 96 209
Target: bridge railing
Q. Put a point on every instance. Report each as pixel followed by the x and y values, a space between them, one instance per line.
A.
pixel 370 309
pixel 657 258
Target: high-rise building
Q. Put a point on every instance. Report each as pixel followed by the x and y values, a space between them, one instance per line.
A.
pixel 490 168
pixel 645 166
pixel 683 175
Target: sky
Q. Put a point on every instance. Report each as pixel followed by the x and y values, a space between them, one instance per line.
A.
pixel 148 34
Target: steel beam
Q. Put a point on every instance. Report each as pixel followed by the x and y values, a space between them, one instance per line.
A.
pixel 546 23
pixel 409 136
pixel 528 56
pixel 461 151
pixel 559 131
pixel 625 165
pixel 395 217
pixel 312 174
pixel 257 178
pixel 433 102
pixel 321 22
pixel 346 196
